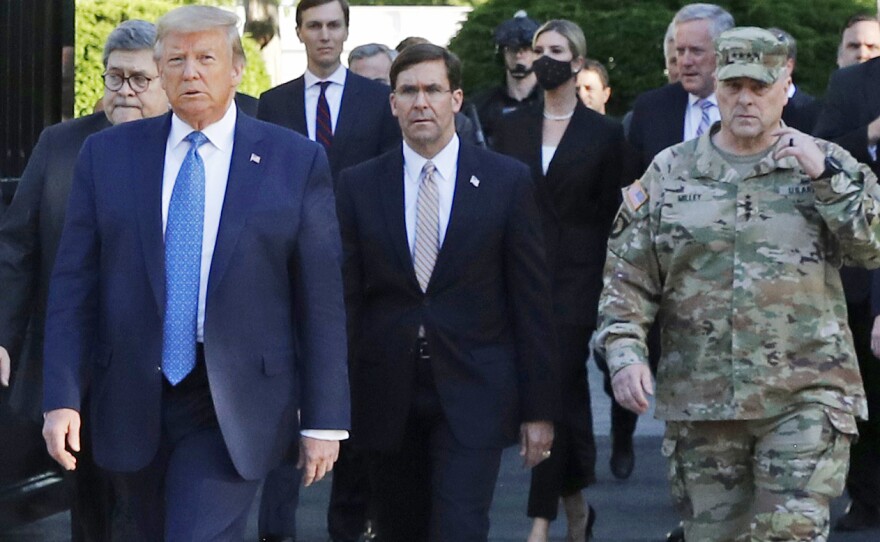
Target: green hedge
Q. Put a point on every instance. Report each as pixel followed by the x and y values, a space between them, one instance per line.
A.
pixel 95 19
pixel 627 36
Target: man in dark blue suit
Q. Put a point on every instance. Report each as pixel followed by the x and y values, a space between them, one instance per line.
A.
pixel 351 117
pixel 200 348
pixel 449 313
pixel 360 122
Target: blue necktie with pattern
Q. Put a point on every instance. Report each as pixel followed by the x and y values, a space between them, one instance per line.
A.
pixel 705 122
pixel 323 123
pixel 183 258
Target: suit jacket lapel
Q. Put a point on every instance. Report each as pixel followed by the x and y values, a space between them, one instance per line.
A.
pixel 571 145
pixel 392 202
pixel 242 189
pixel 348 115
pixel 462 218
pixel 298 107
pixel 148 165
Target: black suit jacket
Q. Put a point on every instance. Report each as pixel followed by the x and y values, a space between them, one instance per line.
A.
pixel 802 112
pixel 577 199
pixel 30 231
pixel 851 103
pixel 657 121
pixel 246 104
pixel 365 127
pixel 486 312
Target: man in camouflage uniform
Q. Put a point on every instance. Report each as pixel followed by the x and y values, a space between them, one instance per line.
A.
pixel 733 240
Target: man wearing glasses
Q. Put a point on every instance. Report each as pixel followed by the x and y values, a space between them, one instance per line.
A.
pixel 449 312
pixel 29 235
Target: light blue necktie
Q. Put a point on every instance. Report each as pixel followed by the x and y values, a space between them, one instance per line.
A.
pixel 183 258
pixel 706 106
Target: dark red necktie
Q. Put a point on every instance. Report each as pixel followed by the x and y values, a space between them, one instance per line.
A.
pixel 323 125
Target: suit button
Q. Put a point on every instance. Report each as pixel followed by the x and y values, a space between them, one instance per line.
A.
pixel 158 368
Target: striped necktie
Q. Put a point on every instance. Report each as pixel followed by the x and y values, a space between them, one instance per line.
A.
pixel 183 260
pixel 323 124
pixel 427 242
pixel 705 122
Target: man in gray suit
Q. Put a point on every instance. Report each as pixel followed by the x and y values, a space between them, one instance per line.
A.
pixel 30 231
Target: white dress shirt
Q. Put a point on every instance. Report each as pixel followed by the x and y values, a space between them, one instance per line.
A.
pixel 694 114
pixel 333 95
pixel 446 164
pixel 217 156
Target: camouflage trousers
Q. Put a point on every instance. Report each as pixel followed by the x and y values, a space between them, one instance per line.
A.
pixel 759 480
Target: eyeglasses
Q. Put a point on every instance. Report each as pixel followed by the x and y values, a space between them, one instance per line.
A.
pixel 137 82
pixel 409 93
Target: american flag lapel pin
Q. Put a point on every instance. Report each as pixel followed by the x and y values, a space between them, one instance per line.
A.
pixel 475 181
pixel 255 158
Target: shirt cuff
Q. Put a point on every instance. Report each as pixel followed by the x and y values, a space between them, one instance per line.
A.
pixel 623 353
pixel 325 434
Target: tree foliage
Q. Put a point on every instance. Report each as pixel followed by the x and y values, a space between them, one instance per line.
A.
pixel 95 19
pixel 627 36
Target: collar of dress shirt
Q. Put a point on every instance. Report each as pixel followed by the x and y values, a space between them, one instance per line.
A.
pixel 791 90
pixel 693 98
pixel 221 134
pixel 337 77
pixel 444 161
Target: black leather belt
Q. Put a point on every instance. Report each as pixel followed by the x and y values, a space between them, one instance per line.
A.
pixel 422 349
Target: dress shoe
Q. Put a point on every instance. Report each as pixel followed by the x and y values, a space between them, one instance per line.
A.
pixel 676 535
pixel 858 517
pixel 623 460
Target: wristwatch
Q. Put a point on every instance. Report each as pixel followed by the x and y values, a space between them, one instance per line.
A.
pixel 832 168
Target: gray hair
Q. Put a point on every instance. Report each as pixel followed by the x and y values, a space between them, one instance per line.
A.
pixel 370 50
pixel 669 39
pixel 189 19
pixel 721 20
pixel 132 35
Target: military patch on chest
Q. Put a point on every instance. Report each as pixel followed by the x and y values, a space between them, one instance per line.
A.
pixel 635 196
pixel 689 197
pixel 795 189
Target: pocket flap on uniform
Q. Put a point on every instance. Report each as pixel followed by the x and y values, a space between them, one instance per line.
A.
pixel 844 422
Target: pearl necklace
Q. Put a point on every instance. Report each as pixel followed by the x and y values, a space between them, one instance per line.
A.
pixel 567 116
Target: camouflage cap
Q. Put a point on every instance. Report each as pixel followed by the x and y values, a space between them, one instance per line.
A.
pixel 752 52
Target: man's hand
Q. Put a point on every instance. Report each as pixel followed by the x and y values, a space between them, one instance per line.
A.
pixel 632 385
pixel 316 457
pixel 803 148
pixel 535 440
pixel 59 427
pixel 875 337
pixel 5 367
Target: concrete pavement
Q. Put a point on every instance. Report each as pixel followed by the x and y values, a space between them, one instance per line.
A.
pixel 635 510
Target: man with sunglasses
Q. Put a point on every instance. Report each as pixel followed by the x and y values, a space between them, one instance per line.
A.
pixel 29 235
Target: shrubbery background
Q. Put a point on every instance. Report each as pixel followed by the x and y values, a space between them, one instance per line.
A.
pixel 627 36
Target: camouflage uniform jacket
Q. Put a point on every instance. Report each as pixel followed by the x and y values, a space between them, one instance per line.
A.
pixel 743 274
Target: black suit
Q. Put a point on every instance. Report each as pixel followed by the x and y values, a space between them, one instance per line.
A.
pixel 29 236
pixel 577 199
pixel 657 121
pixel 851 103
pixel 801 112
pixel 365 127
pixel 246 104
pixel 487 320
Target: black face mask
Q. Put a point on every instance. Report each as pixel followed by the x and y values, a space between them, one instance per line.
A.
pixel 551 72
pixel 519 71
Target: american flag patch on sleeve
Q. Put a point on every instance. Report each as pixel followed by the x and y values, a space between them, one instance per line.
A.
pixel 635 196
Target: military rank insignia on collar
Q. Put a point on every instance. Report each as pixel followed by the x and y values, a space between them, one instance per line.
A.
pixel 635 196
